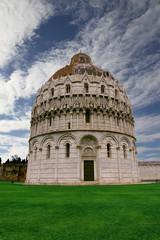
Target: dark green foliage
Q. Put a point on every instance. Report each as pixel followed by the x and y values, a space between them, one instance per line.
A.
pixel 15 159
pixel 126 212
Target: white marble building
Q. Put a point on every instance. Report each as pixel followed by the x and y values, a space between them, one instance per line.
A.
pixel 82 129
pixel 149 170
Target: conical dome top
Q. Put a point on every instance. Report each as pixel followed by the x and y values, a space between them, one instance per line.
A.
pixel 79 64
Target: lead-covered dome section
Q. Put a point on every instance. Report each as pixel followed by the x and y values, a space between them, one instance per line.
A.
pixel 79 64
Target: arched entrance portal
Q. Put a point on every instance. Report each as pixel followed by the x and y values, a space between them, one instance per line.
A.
pixel 89 144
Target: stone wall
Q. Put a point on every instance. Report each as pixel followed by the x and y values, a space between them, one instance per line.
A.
pixel 149 170
pixel 17 171
pixel 13 171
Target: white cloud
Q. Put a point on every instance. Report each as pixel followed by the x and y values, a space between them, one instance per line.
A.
pixel 147 137
pixel 10 125
pixel 148 149
pixel 117 40
pixel 147 122
pixel 121 46
pixel 18 21
pixel 110 39
pixel 23 84
pixel 13 145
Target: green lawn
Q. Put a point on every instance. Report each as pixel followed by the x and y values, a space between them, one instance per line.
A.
pixel 127 212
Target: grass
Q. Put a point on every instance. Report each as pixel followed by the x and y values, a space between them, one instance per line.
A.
pixel 125 212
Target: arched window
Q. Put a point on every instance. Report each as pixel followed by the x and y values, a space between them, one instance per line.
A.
pixel 67 150
pixel 52 91
pixel 116 93
pixel 86 87
pixel 69 125
pixel 48 151
pixel 108 150
pixel 50 121
pixel 124 152
pixel 87 116
pixel 35 153
pixel 68 88
pixel 102 89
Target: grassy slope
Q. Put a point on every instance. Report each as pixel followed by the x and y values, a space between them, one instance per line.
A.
pixel 79 212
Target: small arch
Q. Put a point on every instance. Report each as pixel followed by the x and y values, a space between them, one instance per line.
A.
pixel 110 136
pixel 86 139
pixel 88 112
pixel 66 136
pixel 68 88
pixel 102 89
pixel 86 87
pixel 34 143
pixel 48 140
pixel 124 140
pixel 134 144
pixel 88 151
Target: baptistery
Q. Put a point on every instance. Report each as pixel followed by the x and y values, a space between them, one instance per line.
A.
pixel 82 129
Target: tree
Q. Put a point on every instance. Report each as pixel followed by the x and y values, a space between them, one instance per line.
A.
pixel 15 159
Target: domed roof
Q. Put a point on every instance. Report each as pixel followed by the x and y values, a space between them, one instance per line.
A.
pixel 79 64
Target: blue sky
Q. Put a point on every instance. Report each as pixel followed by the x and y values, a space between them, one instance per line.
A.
pixel 39 37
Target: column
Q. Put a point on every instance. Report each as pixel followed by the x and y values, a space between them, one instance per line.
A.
pixel 119 164
pixel 84 118
pixel 79 175
pixel 133 129
pixel 77 111
pixel 56 167
pixel 71 115
pixel 125 128
pixel 116 122
pixel 135 159
pixel 110 119
pixel 132 164
pixel 64 114
pixel 29 166
pixel 39 165
pixel 123 124
pixel 47 123
pixel 57 127
pixel 98 160
pixel 105 122
pixel 92 119
pixel 37 127
pixel 98 114
pixel 42 125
